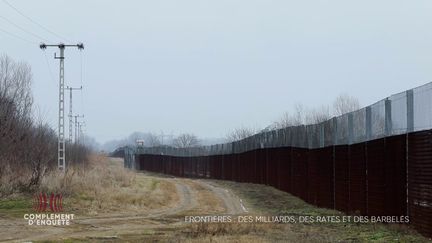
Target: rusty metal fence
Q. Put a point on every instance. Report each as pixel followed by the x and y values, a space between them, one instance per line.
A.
pixel 376 161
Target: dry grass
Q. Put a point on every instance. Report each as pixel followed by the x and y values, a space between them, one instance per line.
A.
pixel 235 232
pixel 258 232
pixel 8 180
pixel 266 200
pixel 213 232
pixel 105 186
pixel 13 180
pixel 218 229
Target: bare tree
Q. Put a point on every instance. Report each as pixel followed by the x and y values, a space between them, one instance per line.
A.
pixel 26 149
pixel 28 146
pixel 302 116
pixel 15 107
pixel 286 120
pixel 299 117
pixel 15 102
pixel 152 140
pixel 42 153
pixel 240 133
pixel 186 140
pixel 317 115
pixel 345 103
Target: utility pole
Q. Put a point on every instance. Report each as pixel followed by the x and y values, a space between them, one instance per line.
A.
pixel 61 160
pixel 70 110
pixel 77 127
pixel 80 131
pixel 163 135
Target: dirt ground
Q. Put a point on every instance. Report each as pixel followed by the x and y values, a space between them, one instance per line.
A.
pixel 194 197
pixel 164 219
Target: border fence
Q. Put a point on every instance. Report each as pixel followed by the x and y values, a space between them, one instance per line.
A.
pixel 376 161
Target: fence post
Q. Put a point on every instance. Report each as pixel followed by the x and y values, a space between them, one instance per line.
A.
pixel 247 141
pixel 368 137
pixel 281 135
pixel 388 117
pixel 368 123
pixel 309 134
pixel 410 110
pixel 305 137
pixel 410 128
pixel 283 138
pixel 350 128
pixel 321 135
pixel 335 141
pixel 335 130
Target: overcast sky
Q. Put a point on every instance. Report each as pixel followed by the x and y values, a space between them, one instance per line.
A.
pixel 207 67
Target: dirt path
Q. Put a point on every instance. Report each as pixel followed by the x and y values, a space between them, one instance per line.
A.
pixel 232 203
pixel 196 197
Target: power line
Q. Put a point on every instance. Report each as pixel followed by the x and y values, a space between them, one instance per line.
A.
pixel 81 74
pixel 49 68
pixel 18 37
pixel 19 27
pixel 81 67
pixel 34 22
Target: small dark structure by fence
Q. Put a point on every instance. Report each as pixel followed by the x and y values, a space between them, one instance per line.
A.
pixel 376 161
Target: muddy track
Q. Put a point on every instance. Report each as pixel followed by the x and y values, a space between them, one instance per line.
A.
pixel 111 225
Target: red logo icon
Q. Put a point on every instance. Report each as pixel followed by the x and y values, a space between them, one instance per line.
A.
pixel 42 202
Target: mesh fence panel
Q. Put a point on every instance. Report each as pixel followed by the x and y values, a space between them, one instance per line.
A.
pixel 295 136
pixel 423 107
pixel 377 120
pixel 359 126
pixel 399 113
pixel 313 136
pixel 342 131
pixel 280 137
pixel 329 130
pixel 299 137
pixel 288 136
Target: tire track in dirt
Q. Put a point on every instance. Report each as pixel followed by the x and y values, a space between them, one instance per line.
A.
pixel 232 203
pixel 115 224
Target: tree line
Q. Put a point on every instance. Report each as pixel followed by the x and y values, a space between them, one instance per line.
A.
pixel 301 115
pixel 28 145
